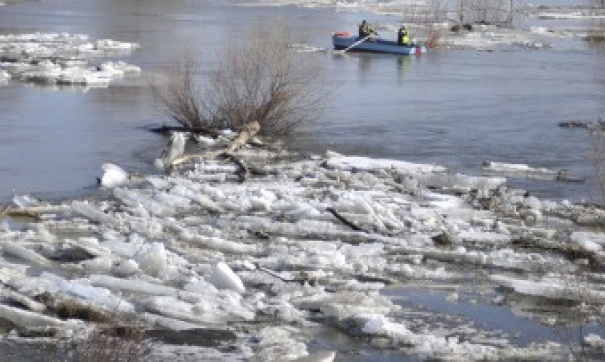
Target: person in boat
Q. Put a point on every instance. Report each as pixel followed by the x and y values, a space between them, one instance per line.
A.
pixel 365 30
pixel 403 36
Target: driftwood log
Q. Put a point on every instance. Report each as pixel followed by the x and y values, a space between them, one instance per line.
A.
pixel 167 130
pixel 249 130
pixel 342 219
pixel 242 171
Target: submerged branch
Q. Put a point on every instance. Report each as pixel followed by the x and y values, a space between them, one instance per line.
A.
pixel 167 130
pixel 345 221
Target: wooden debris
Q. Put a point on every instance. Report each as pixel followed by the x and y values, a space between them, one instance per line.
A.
pixel 249 130
pixel 345 221
pixel 244 136
pixel 242 171
pixel 167 130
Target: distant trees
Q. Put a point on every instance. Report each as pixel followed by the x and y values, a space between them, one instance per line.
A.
pixel 498 12
pixel 487 11
pixel 261 80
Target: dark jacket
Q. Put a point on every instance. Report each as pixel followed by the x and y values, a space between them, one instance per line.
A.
pixel 366 30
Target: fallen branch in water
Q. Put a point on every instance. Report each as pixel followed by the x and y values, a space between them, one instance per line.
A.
pixel 598 125
pixel 243 137
pixel 20 213
pixel 249 130
pixel 242 171
pixel 167 130
pixel 345 221
pixel 282 278
pixel 4 211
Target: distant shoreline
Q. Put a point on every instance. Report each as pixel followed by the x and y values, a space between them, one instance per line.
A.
pixel 8 2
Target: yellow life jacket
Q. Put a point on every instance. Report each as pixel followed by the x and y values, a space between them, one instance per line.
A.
pixel 404 36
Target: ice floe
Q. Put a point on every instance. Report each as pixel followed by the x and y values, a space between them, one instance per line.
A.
pixel 113 175
pixel 302 244
pixel 223 277
pixel 525 171
pixel 62 59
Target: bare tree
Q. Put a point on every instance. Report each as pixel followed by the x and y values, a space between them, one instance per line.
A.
pixel 180 96
pixel 500 12
pixel 262 80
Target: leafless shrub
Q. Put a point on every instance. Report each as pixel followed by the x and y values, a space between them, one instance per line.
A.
pixel 433 35
pixel 438 10
pixel 461 12
pixel 180 97
pixel 433 11
pixel 499 12
pixel 261 80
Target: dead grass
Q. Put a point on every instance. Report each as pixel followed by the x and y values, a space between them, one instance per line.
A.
pixel 114 341
pixel 73 310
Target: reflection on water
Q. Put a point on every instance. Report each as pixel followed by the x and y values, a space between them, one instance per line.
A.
pixel 60 138
pixel 403 66
pixel 491 320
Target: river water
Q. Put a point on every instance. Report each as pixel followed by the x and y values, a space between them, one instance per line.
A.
pixel 452 107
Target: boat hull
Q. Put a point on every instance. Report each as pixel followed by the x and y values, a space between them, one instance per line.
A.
pixel 342 42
